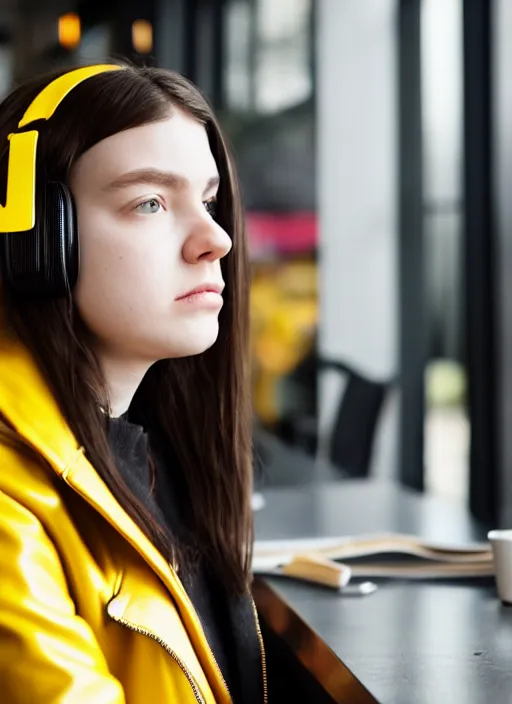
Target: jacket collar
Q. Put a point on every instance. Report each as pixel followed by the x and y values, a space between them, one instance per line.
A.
pixel 27 403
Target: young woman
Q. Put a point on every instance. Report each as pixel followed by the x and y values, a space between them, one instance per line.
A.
pixel 125 465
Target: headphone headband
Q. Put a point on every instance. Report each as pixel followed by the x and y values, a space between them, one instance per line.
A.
pixel 18 214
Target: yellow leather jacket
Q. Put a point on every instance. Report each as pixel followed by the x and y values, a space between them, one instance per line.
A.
pixel 90 611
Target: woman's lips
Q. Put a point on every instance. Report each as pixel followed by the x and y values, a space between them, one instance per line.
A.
pixel 203 297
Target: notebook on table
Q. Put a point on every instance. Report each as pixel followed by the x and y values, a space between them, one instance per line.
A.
pixel 381 555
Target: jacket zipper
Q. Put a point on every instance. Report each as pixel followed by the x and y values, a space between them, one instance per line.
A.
pixel 183 667
pixel 262 650
pixel 181 664
pixel 263 655
pixel 219 671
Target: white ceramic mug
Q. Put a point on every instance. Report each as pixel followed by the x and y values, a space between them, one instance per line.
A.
pixel 501 541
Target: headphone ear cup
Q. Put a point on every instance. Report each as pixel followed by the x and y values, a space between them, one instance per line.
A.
pixel 43 262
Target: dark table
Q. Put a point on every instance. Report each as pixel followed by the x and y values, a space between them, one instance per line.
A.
pixel 410 642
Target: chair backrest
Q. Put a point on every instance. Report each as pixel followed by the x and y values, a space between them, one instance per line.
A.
pixel 355 424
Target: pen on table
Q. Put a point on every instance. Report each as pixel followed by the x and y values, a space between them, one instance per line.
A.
pixel 323 571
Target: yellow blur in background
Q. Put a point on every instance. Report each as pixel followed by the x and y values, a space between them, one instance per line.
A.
pixel 284 319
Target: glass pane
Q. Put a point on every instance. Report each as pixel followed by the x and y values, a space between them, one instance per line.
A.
pixel 269 115
pixel 446 422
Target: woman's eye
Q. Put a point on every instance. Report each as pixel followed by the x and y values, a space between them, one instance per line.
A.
pixel 149 207
pixel 211 207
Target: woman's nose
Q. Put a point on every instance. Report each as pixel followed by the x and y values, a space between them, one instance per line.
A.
pixel 208 241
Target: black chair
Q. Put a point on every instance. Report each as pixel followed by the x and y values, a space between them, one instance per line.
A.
pixel 353 432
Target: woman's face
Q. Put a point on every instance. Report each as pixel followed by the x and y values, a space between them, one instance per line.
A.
pixel 145 199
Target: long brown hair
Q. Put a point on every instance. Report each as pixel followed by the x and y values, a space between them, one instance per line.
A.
pixel 200 404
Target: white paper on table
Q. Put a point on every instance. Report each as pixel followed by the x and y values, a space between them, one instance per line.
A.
pixel 269 554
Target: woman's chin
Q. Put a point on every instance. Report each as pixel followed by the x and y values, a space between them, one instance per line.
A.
pixel 195 340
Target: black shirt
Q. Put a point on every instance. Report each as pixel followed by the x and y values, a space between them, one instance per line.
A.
pixel 228 624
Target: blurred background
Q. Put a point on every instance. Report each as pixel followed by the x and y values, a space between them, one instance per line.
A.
pixel 373 147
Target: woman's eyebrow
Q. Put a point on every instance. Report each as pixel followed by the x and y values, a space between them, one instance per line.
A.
pixel 159 178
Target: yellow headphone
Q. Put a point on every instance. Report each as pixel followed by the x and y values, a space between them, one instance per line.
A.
pixel 39 247
pixel 18 213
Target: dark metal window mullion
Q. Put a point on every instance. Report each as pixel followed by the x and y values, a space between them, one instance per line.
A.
pixel 479 236
pixel 413 332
